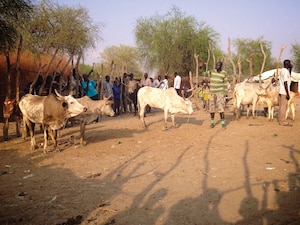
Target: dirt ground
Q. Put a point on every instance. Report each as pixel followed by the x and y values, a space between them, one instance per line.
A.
pixel 191 175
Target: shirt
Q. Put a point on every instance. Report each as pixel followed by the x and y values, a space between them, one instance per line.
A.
pixel 284 75
pixel 116 91
pixel 218 82
pixel 164 84
pixel 146 82
pixel 107 88
pixel 177 82
pixel 91 88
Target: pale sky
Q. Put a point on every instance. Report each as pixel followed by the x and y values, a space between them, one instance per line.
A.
pixel 277 21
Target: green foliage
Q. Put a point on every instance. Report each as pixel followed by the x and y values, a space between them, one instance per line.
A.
pixel 124 58
pixel 54 26
pixel 168 43
pixel 13 13
pixel 249 48
pixel 296 56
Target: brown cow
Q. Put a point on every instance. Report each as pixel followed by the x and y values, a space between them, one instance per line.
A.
pixel 94 109
pixel 11 109
pixel 51 111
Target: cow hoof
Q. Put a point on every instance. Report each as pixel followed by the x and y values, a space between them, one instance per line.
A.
pixel 83 144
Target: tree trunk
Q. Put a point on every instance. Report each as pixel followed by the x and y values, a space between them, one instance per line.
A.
pixel 77 74
pixel 264 62
pixel 17 118
pixel 63 72
pixel 196 57
pixel 240 69
pixel 232 63
pixel 8 94
pixel 278 61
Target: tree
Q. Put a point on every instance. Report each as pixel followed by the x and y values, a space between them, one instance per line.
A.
pixel 125 59
pixel 61 31
pixel 250 54
pixel 296 56
pixel 13 13
pixel 168 43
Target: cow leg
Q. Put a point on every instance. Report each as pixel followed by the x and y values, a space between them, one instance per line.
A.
pixel 293 111
pixel 248 109
pixel 45 140
pixel 291 107
pixel 270 113
pixel 82 133
pixel 237 111
pixel 142 115
pixel 31 131
pixel 18 126
pixel 29 125
pixel 24 129
pixel 253 110
pixel 173 120
pixel 53 135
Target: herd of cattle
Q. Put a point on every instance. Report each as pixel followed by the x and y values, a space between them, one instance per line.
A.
pixel 54 111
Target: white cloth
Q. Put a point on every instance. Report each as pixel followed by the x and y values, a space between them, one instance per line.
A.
pixel 177 82
pixel 155 83
pixel 164 84
pixel 284 75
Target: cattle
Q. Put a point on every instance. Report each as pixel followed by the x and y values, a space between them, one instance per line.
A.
pixel 270 98
pixel 166 99
pixel 52 111
pixel 247 94
pixel 11 110
pixel 94 109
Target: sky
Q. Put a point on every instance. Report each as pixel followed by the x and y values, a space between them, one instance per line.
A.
pixel 277 21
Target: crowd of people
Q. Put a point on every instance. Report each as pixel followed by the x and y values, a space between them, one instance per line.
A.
pixel 123 90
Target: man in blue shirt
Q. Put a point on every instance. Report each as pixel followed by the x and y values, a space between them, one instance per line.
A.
pixel 89 87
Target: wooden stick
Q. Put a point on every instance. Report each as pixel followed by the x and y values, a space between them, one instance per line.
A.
pixel 264 61
pixel 278 61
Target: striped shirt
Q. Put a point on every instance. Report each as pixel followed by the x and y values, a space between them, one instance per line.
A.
pixel 218 82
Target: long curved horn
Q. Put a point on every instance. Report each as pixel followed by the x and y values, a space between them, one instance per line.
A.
pixel 59 95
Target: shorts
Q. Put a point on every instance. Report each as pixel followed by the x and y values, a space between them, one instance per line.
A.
pixel 216 103
pixel 206 96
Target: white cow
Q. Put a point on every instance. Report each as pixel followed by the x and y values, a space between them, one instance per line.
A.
pixel 270 98
pixel 94 109
pixel 51 111
pixel 166 99
pixel 247 94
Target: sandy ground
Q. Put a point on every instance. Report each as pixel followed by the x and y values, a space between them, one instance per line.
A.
pixel 191 175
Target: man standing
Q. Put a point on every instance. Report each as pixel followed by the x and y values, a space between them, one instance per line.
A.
pixel 156 82
pixel 146 81
pixel 164 84
pixel 177 83
pixel 218 90
pixel 284 91
pixel 107 87
pixel 89 87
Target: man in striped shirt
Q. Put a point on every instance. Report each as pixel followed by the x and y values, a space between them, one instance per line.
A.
pixel 218 90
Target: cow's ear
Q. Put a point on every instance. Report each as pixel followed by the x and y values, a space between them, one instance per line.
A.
pixel 64 105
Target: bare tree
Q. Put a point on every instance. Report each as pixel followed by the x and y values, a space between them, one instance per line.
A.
pixel 264 61
pixel 278 62
pixel 232 63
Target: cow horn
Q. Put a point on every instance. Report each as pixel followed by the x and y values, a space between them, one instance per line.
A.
pixel 59 95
